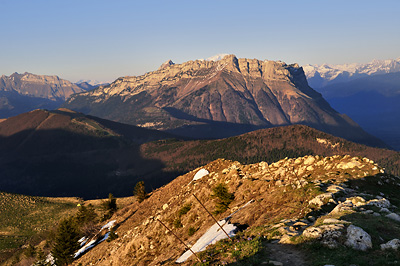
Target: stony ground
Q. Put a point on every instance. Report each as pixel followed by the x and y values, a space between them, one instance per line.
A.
pixel 297 203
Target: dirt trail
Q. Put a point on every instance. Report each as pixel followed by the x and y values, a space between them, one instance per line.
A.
pixel 289 255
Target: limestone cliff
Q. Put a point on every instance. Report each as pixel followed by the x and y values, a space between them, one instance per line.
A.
pixel 218 95
pixel 20 93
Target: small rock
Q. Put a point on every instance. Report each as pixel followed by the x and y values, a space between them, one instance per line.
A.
pixel 165 206
pixel 321 199
pixel 285 240
pixel 380 203
pixel 358 239
pixel 392 244
pixel 313 232
pixel 334 221
pixel 276 263
pixel 385 210
pixel 393 216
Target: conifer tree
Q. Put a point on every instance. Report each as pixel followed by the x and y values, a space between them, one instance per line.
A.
pixel 140 191
pixel 66 242
pixel 224 198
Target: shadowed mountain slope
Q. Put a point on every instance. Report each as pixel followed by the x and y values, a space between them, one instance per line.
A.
pixel 202 98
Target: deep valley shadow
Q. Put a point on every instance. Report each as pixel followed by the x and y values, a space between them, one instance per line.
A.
pixel 63 163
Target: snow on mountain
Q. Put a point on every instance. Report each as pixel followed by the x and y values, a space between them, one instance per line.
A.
pixel 92 82
pixel 321 75
pixel 217 57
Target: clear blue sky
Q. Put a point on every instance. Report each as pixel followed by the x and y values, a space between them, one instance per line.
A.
pixel 103 40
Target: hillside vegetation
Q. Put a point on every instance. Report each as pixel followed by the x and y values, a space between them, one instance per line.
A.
pixel 289 200
pixel 269 145
pixel 26 219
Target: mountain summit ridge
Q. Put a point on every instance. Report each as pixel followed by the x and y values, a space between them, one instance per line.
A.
pixel 230 92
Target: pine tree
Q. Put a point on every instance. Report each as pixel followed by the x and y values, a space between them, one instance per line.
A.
pixel 140 191
pixel 110 206
pixel 224 198
pixel 66 242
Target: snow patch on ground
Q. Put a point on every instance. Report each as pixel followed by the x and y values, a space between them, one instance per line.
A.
pixel 200 174
pixel 212 235
pixel 94 242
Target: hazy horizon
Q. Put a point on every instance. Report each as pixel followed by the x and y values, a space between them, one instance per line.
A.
pixel 102 40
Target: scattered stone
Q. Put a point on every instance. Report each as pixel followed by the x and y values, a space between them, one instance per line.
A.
pixel 275 263
pixel 321 199
pixel 385 210
pixel 335 189
pixel 334 221
pixel 358 239
pixel 313 232
pixel 380 203
pixel 392 244
pixel 285 240
pixel 165 206
pixel 393 216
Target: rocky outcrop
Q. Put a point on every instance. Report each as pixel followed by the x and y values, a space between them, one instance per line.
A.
pixel 206 94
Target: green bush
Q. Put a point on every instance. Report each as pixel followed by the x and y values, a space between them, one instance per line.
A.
pixel 178 223
pixel 224 198
pixel 191 231
pixel 185 209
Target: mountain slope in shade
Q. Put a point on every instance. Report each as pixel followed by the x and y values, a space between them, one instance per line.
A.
pixel 373 102
pixel 323 75
pixel 217 99
pixel 21 93
pixel 64 153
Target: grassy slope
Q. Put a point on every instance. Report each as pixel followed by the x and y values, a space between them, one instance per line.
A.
pixel 24 218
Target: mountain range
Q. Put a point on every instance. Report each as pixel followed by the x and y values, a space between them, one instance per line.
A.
pixel 21 93
pixel 214 99
pixel 372 102
pixel 323 75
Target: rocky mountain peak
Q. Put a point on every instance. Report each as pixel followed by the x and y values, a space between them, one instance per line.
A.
pixel 166 64
pixel 237 91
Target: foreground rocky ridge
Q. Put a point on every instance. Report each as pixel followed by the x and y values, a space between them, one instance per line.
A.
pixel 308 201
pixel 227 96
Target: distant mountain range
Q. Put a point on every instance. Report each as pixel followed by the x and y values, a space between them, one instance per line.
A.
pixel 214 99
pixel 323 75
pixel 373 102
pixel 21 93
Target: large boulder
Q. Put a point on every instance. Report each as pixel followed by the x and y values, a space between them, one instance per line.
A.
pixel 357 238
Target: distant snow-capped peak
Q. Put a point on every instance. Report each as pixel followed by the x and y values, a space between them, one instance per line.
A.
pixel 321 75
pixel 91 82
pixel 216 57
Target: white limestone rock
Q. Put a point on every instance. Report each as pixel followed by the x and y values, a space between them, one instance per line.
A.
pixel 393 216
pixel 313 232
pixel 321 199
pixel 357 238
pixel 392 244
